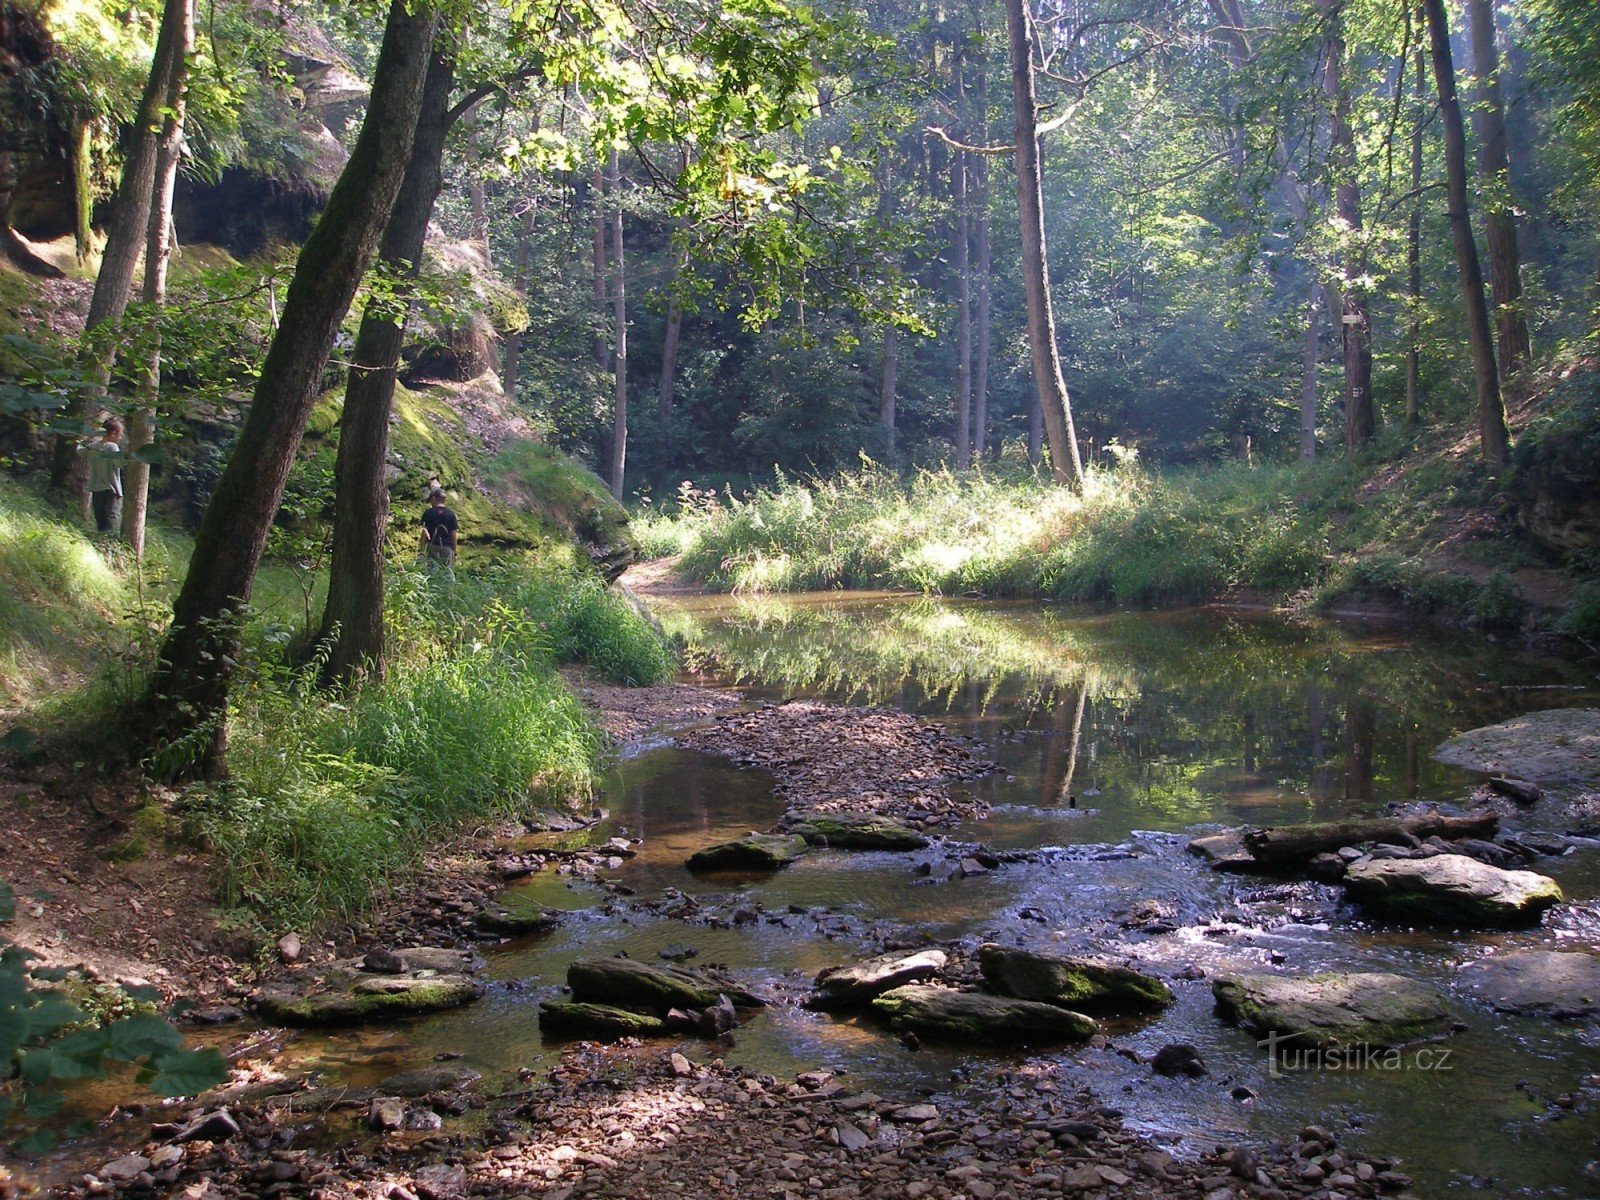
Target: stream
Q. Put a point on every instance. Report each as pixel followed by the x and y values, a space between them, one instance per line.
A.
pixel 1118 735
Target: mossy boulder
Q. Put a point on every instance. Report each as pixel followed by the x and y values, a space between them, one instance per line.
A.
pixel 855 831
pixel 598 1022
pixel 646 987
pixel 367 998
pixel 857 984
pixel 513 922
pixel 1450 889
pixel 757 852
pixel 979 1017
pixel 1332 1011
pixel 1077 983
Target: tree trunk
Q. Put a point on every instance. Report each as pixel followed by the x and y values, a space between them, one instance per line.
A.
pixel 963 241
pixel 188 697
pixel 619 320
pixel 1499 216
pixel 1035 427
pixel 1493 435
pixel 1355 332
pixel 602 352
pixel 888 385
pixel 1308 372
pixel 352 616
pixel 82 169
pixel 1414 258
pixel 1297 843
pixel 1056 405
pixel 669 372
pixel 980 366
pixel 512 362
pixel 125 237
pixel 157 257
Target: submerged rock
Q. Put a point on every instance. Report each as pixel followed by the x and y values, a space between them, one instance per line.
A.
pixel 1333 1010
pixel 513 922
pixel 1070 982
pixel 601 1022
pixel 650 988
pixel 1559 745
pixel 757 852
pixel 368 998
pixel 1450 888
pixel 980 1017
pixel 424 1081
pixel 1546 983
pixel 855 831
pixel 856 984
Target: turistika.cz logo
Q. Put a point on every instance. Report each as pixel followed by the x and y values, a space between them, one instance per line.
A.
pixel 1286 1055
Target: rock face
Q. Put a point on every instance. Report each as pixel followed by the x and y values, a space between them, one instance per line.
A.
pixel 367 998
pixel 758 852
pixel 1547 983
pixel 1332 1011
pixel 602 1022
pixel 1450 888
pixel 978 1017
pixel 857 984
pixel 1559 745
pixel 855 831
pixel 1077 983
pixel 624 983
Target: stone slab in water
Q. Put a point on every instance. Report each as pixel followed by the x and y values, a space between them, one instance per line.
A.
pixel 1546 983
pixel 1332 1011
pixel 758 852
pixel 1559 745
pixel 1077 983
pixel 602 1022
pixel 980 1017
pixel 857 984
pixel 1224 851
pixel 368 998
pixel 625 983
pixel 513 922
pixel 855 831
pixel 1450 889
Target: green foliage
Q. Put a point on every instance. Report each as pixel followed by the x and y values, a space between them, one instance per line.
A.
pixel 47 1041
pixel 1582 616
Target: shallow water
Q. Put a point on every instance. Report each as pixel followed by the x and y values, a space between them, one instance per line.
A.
pixel 1117 735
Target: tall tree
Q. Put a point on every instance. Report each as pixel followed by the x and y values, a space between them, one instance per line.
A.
pixel 619 321
pixel 1065 464
pixel 511 364
pixel 669 373
pixel 1499 208
pixel 188 696
pixel 1414 247
pixel 125 239
pixel 352 616
pixel 1493 434
pixel 962 237
pixel 157 256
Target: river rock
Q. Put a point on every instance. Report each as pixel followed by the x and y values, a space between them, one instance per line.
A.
pixel 1177 1058
pixel 650 988
pixel 1332 1010
pixel 1546 983
pixel 1559 745
pixel 513 922
pixel 1077 983
pixel 856 984
pixel 855 831
pixel 367 998
pixel 979 1017
pixel 1223 851
pixel 439 959
pixel 1450 888
pixel 600 1022
pixel 425 1081
pixel 757 852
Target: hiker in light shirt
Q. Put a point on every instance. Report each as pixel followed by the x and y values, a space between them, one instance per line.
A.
pixel 105 475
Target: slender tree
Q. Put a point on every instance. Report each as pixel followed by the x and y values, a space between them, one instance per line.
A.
pixel 1493 433
pixel 1414 248
pixel 669 373
pixel 619 321
pixel 962 245
pixel 511 364
pixel 187 701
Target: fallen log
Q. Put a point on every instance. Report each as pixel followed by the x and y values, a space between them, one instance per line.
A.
pixel 1286 845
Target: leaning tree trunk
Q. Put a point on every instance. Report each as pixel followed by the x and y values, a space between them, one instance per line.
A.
pixel 157 256
pixel 1056 405
pixel 619 320
pixel 352 616
pixel 1493 435
pixel 188 696
pixel 125 237
pixel 1355 330
pixel 1499 215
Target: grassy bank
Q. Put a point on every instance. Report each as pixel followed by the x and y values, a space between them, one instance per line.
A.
pixel 1403 525
pixel 331 798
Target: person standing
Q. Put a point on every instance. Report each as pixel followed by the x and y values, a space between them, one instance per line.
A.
pixel 439 528
pixel 105 475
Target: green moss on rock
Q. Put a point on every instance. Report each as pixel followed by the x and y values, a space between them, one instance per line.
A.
pixel 979 1017
pixel 758 852
pixel 601 1022
pixel 368 998
pixel 1070 982
pixel 1332 1011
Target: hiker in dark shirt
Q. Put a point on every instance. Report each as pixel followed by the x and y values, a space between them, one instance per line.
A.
pixel 439 532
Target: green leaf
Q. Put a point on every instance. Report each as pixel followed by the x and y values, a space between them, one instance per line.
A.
pixel 186 1072
pixel 52 1012
pixel 141 1036
pixel 42 1104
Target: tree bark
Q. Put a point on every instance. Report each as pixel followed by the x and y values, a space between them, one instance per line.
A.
pixel 602 352
pixel 1297 843
pixel 1493 435
pixel 1499 216
pixel 352 615
pixel 1414 258
pixel 888 384
pixel 980 366
pixel 188 696
pixel 619 320
pixel 669 374
pixel 157 258
pixel 963 242
pixel 125 238
pixel 1355 333
pixel 1310 353
pixel 1065 465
